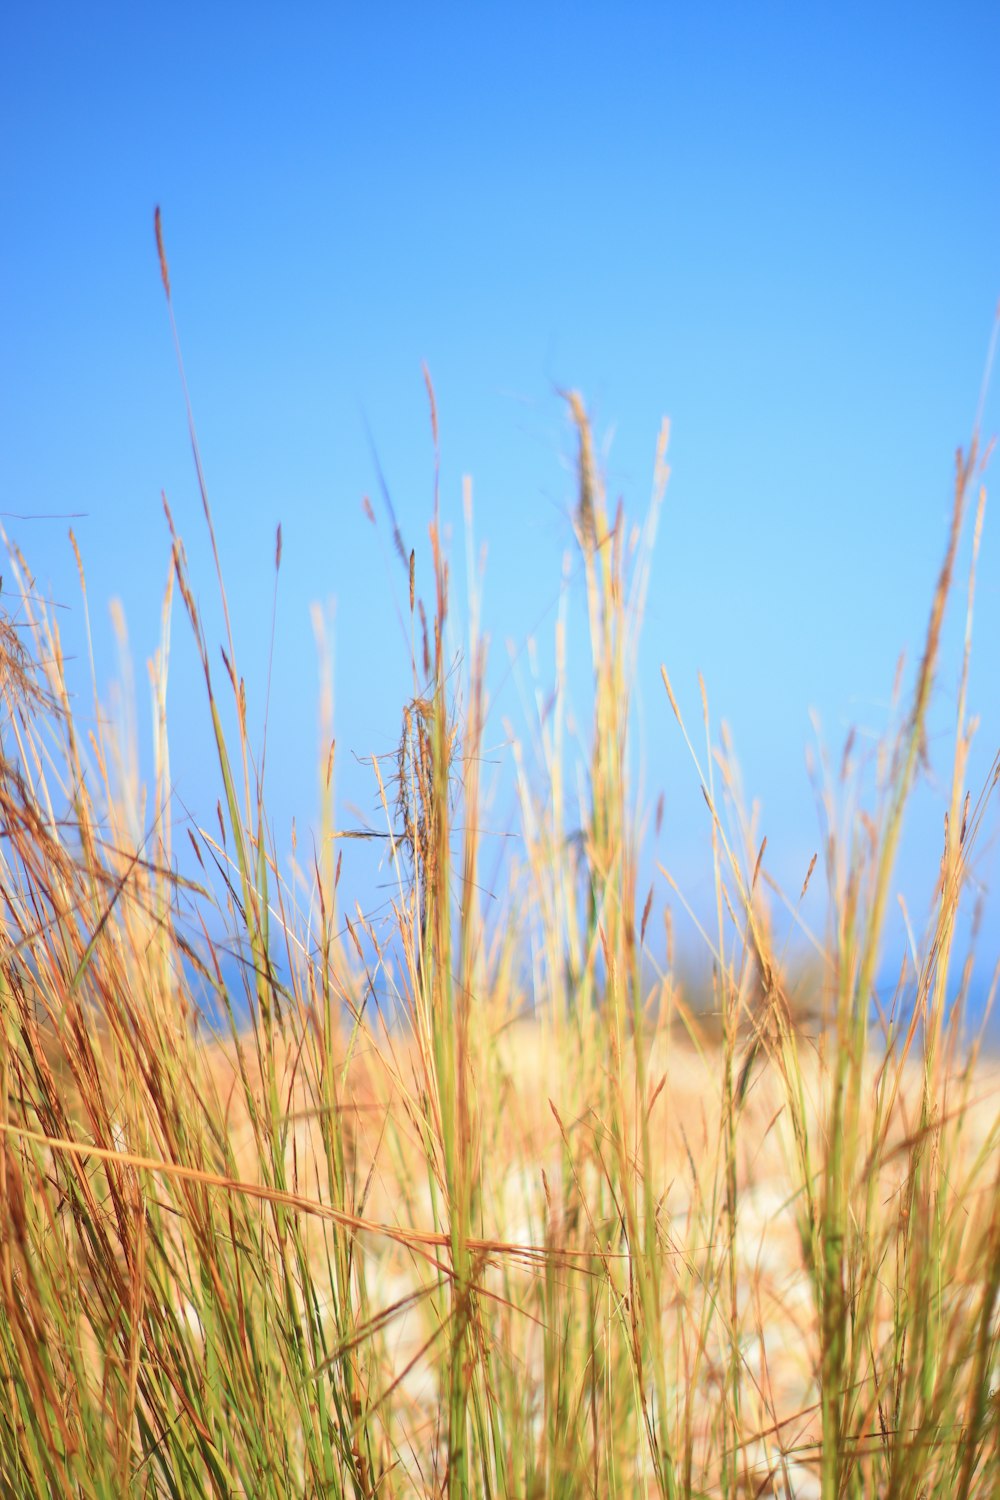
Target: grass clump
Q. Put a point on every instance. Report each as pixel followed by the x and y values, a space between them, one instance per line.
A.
pixel 529 1226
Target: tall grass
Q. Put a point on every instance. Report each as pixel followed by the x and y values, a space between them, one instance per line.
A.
pixel 534 1229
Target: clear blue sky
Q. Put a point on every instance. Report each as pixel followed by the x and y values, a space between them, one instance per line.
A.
pixel 779 225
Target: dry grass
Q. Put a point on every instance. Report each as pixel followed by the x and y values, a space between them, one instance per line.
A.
pixel 541 1236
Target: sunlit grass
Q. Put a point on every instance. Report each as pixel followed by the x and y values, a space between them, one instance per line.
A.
pixel 528 1226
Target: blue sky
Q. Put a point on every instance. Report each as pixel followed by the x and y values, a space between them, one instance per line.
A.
pixel 777 225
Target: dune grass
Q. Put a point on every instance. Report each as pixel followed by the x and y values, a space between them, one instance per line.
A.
pixel 533 1228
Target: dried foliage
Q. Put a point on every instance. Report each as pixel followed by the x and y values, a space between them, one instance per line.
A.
pixel 545 1234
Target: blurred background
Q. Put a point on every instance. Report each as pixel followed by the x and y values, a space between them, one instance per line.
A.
pixel 778 226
